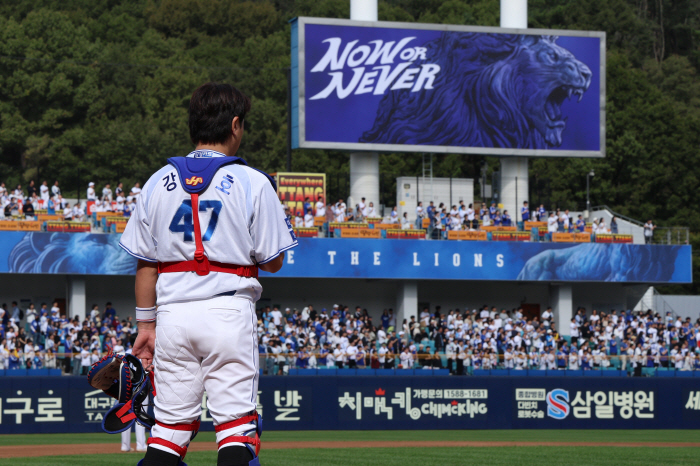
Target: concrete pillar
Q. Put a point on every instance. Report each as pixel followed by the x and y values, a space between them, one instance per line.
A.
pixel 364 166
pixel 363 10
pixel 364 178
pixel 514 185
pixel 406 302
pixel 77 296
pixel 561 298
pixel 514 15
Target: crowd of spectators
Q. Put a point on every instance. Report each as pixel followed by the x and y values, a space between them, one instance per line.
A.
pixel 459 340
pixel 459 216
pixel 18 203
pixel 46 338
pixel 463 341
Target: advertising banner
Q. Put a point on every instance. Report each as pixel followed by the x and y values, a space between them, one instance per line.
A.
pixel 72 227
pixel 510 236
pixel 306 232
pixel 100 254
pixel 412 87
pixel 360 233
pixel 405 234
pixel 69 404
pixel 294 188
pixel 467 235
pixel 21 225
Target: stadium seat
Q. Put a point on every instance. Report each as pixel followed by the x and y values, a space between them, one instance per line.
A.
pixel 307 372
pixel 555 373
pixel 366 372
pixel 37 372
pixel 427 372
pixel 499 372
pixel 536 373
pixel 16 372
pixel 684 373
pixel 328 371
pixel 55 372
pixel 385 371
pixel 593 373
pixel 666 373
pixel 481 372
pixel 574 373
pixel 696 373
pixel 347 372
pixel 517 373
pixel 2 372
pixel 613 373
pixel 440 372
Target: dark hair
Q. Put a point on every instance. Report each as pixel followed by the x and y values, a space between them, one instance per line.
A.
pixel 212 109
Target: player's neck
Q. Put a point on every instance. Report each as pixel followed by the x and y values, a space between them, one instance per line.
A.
pixel 225 149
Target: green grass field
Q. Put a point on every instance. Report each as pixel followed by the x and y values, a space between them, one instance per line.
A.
pixel 571 456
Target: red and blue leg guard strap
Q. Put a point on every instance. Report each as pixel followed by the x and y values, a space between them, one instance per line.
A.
pixel 180 450
pixel 252 443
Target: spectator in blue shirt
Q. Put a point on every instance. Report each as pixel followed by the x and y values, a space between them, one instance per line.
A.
pixel 580 224
pixel 525 212
pixel 505 219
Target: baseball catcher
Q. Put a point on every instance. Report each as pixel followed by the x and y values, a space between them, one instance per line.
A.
pixel 203 226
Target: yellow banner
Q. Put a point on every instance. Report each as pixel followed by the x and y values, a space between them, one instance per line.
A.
pixel 23 225
pixel 467 235
pixel 71 227
pixel 386 226
pixel 319 221
pixel 360 233
pixel 336 225
pixel 49 217
pixel 120 227
pixel 294 188
pixel 499 228
pixel 306 232
pixel 405 234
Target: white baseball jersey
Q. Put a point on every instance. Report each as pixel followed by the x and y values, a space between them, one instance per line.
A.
pixel 241 220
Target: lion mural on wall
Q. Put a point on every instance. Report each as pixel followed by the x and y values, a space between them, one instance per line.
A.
pixel 71 253
pixel 493 90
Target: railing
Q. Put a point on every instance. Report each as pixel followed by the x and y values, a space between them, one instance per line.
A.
pixel 662 235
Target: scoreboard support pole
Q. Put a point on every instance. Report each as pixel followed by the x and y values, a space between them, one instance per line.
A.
pixel 514 15
pixel 364 166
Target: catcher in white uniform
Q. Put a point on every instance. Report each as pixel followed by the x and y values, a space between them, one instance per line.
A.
pixel 203 226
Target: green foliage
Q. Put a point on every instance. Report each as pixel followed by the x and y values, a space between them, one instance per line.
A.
pixel 97 90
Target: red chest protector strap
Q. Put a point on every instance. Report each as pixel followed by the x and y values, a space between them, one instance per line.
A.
pixel 201 264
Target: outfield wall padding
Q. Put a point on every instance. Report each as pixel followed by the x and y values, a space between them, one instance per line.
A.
pixel 69 404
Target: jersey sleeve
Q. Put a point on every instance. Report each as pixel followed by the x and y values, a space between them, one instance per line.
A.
pixel 137 239
pixel 270 230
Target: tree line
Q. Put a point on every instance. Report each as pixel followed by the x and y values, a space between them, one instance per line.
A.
pixel 97 90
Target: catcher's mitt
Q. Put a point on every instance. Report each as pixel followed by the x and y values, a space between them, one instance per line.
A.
pixel 124 379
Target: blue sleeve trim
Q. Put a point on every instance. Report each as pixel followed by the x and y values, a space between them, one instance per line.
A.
pixel 293 245
pixel 147 259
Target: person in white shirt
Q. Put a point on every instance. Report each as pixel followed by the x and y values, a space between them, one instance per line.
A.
pixel 55 189
pixel 362 205
pixel 339 356
pixel 107 193
pixel 308 220
pixel 320 207
pixel 276 316
pixel 44 192
pixel 406 359
pixel 85 360
pixel 601 227
pixel 298 219
pixel 369 211
pixel 78 213
pixel 120 203
pixel 91 196
pixel 648 232
pixel 67 213
pixel 136 190
pixel 552 223
pixel 394 217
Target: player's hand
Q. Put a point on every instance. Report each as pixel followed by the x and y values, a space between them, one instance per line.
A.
pixel 144 347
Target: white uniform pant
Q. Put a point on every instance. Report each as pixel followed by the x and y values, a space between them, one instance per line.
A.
pixel 140 438
pixel 207 345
